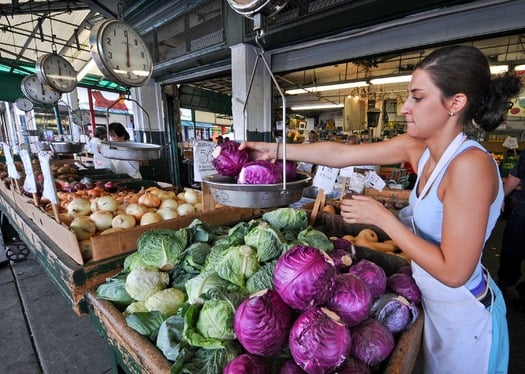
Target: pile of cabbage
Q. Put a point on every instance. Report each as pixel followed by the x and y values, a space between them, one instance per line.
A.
pixel 271 295
pixel 228 160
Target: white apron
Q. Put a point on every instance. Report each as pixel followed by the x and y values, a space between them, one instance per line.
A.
pixel 457 332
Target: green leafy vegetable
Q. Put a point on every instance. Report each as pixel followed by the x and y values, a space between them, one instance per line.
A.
pixel 201 284
pixel 167 301
pixel 287 219
pixel 141 283
pixel 146 323
pixel 114 291
pixel 267 240
pixel 237 264
pixel 133 261
pixel 315 238
pixel 163 248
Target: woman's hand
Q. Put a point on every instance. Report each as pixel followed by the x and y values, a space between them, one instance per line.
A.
pixel 364 210
pixel 260 150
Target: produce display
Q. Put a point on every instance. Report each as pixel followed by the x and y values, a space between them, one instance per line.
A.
pixel 270 295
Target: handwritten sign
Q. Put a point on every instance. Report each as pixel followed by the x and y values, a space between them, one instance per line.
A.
pixel 11 168
pixel 29 181
pixel 510 143
pixel 202 156
pixel 325 178
pixel 375 181
pixel 49 191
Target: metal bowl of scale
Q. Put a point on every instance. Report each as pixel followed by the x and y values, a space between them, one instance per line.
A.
pixel 227 192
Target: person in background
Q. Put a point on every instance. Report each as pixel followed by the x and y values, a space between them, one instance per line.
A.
pixel 118 133
pixel 100 135
pixel 450 214
pixel 513 241
pixel 220 140
pixel 353 139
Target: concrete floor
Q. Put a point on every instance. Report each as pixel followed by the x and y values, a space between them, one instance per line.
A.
pixel 40 333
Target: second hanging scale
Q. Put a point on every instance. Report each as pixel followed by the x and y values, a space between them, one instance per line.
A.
pixel 122 56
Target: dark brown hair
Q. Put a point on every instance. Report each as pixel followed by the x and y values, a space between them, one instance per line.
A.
pixel 465 69
pixel 119 130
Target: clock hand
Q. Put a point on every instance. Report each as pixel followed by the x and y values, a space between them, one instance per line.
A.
pixel 128 63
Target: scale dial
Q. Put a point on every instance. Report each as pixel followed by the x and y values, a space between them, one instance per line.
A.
pixel 120 53
pixel 24 104
pixel 55 71
pixel 38 92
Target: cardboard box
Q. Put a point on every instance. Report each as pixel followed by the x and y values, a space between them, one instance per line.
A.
pixel 105 246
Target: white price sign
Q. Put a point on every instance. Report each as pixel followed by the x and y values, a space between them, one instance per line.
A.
pixel 11 168
pixel 29 181
pixel 325 178
pixel 49 191
pixel 202 156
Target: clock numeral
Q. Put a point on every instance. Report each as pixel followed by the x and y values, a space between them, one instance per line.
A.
pixel 108 41
pixel 110 55
pixel 126 33
pixel 142 54
pixel 135 42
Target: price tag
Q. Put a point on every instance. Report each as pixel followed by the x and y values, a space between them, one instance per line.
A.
pixel 375 181
pixel 29 181
pixel 202 156
pixel 510 143
pixel 49 191
pixel 325 178
pixel 11 168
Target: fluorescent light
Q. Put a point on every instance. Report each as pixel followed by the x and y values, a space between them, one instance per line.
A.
pixel 328 87
pixel 519 68
pixel 497 69
pixel 393 79
pixel 317 106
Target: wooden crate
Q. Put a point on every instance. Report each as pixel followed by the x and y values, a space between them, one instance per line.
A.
pixel 136 354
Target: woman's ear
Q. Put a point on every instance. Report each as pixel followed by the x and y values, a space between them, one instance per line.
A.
pixel 457 103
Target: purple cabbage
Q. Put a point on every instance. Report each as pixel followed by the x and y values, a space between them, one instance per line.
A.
pixel 394 311
pixel 351 299
pixel 372 274
pixel 290 367
pixel 319 341
pixel 291 169
pixel 304 276
pixel 262 322
pixel 260 172
pixel 404 285
pixel 353 366
pixel 372 342
pixel 342 260
pixel 247 364
pixel 228 160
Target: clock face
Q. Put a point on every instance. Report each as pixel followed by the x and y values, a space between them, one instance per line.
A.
pixel 56 72
pixel 24 104
pixel 120 53
pixel 38 92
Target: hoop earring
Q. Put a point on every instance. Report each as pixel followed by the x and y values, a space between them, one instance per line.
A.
pixel 451 114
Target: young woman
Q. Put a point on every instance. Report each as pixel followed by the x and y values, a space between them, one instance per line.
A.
pixel 453 207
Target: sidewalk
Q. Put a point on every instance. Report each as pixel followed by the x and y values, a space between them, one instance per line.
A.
pixel 40 332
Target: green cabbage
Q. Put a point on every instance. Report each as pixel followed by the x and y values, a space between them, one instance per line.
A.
pixel 287 219
pixel 216 320
pixel 237 263
pixel 163 248
pixel 167 301
pixel 133 261
pixel 136 307
pixel 114 290
pixel 141 283
pixel 266 240
pixel 202 283
pixel 316 238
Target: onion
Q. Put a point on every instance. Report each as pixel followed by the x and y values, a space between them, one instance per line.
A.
pixel 150 217
pixel 169 203
pixel 149 200
pixel 191 196
pixel 136 210
pixel 102 219
pixel 124 221
pixel 83 227
pixel 107 203
pixel 79 207
pixel 167 213
pixel 185 209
